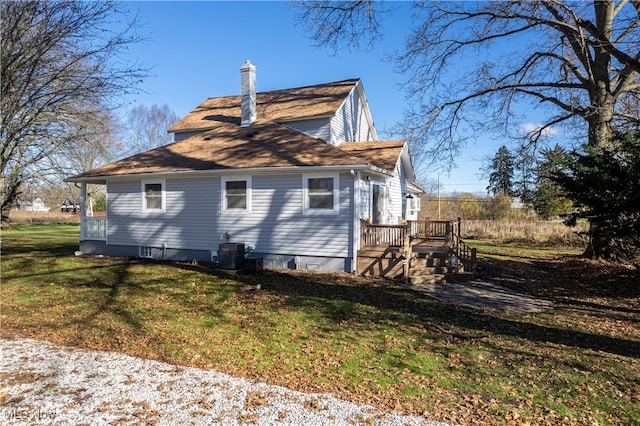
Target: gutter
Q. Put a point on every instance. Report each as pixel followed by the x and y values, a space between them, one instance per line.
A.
pixel 374 170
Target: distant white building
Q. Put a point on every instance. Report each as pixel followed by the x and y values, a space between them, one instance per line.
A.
pixel 36 204
pixel 516 203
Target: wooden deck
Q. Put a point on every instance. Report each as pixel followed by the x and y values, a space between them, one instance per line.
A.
pixel 417 252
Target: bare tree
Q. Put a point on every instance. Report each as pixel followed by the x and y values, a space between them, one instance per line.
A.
pixel 471 66
pixel 475 66
pixel 339 23
pixel 97 142
pixel 147 127
pixel 61 67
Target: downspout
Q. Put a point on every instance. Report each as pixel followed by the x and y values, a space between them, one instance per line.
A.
pixel 356 222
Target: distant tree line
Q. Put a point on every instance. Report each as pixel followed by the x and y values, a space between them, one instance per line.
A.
pixel 529 177
pixel 598 184
pixel 466 205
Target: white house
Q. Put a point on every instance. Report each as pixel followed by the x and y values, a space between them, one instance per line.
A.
pixel 35 204
pixel 290 173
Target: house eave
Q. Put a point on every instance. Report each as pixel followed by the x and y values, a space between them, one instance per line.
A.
pixel 406 158
pixel 414 188
pixel 101 180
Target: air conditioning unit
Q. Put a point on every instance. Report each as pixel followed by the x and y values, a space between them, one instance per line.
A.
pixel 231 255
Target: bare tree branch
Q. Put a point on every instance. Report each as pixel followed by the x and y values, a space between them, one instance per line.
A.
pixel 61 69
pixel 147 127
pixel 339 23
pixel 471 66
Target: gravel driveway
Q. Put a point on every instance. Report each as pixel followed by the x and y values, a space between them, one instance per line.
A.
pixel 41 383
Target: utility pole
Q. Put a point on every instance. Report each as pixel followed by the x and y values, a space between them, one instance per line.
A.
pixel 438 195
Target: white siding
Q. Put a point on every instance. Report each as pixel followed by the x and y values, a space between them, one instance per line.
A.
pixel 350 121
pixel 318 128
pixel 185 199
pixel 365 198
pixel 178 136
pixel 397 187
pixel 193 218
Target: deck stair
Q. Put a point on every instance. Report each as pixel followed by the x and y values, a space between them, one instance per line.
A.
pixel 420 253
pixel 430 265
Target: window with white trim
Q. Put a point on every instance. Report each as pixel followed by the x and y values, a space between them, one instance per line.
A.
pixel 153 196
pixel 236 194
pixel 146 252
pixel 320 194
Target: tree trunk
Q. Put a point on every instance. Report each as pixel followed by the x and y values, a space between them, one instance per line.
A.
pixel 600 118
pixel 599 246
pixel 600 136
pixel 10 195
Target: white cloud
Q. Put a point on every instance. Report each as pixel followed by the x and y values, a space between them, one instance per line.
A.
pixel 527 128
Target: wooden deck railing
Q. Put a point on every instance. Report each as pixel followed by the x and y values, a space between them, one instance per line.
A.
pixel 429 228
pixel 382 235
pixel 466 254
pixel 394 235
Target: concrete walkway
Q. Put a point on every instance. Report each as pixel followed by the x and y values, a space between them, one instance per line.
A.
pixel 483 295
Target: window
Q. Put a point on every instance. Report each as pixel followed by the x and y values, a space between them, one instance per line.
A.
pixel 146 252
pixel 414 202
pixel 236 194
pixel 153 198
pixel 320 194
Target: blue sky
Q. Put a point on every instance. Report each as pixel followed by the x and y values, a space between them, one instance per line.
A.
pixel 196 49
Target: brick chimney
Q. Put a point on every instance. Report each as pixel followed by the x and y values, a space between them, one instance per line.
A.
pixel 248 93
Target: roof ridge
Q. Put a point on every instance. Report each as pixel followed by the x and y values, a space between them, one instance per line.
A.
pixel 329 83
pixel 387 141
pixel 354 80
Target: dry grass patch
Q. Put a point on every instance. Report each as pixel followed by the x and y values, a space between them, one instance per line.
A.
pixel 530 232
pixel 53 216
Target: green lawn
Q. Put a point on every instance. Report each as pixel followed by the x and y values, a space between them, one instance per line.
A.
pixel 365 340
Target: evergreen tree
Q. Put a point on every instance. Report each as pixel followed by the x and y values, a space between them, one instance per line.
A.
pixel 605 185
pixel 501 173
pixel 548 198
pixel 525 175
